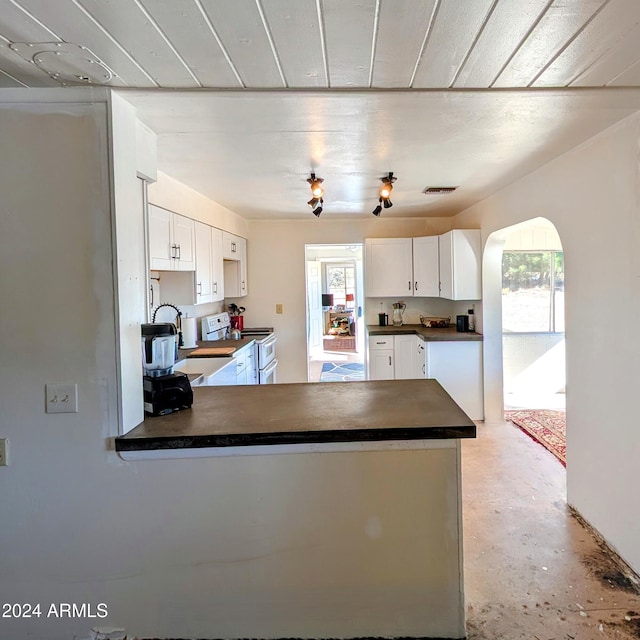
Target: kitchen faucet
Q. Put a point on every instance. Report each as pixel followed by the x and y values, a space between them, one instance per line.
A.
pixel 178 319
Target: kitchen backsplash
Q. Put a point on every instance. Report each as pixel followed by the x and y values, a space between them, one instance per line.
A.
pixel 416 307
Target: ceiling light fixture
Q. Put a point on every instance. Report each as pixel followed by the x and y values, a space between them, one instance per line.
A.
pixel 317 192
pixel 384 199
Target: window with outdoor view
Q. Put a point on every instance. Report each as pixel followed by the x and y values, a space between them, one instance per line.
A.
pixel 533 292
pixel 341 280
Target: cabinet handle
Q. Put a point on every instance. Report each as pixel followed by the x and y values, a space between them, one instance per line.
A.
pixel 173 251
pixel 416 285
pixel 178 248
pixel 233 247
pixel 215 288
pixel 389 360
pixel 151 289
pixel 243 285
pixel 409 285
pixel 199 288
pixel 385 342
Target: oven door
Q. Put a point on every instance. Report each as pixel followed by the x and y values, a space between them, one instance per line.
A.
pixel 267 351
pixel 268 374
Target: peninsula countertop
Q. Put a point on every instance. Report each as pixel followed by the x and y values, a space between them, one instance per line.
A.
pixel 445 334
pixel 252 415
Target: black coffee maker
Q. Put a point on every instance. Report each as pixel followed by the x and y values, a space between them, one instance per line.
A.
pixel 164 391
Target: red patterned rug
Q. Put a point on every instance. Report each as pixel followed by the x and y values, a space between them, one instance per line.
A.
pixel 545 426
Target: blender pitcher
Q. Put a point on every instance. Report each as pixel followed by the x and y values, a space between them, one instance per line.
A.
pixel 398 311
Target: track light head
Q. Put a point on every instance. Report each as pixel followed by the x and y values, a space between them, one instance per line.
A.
pixel 385 190
pixel 377 211
pixel 318 208
pixel 313 203
pixel 315 183
pixel 387 186
pixel 387 203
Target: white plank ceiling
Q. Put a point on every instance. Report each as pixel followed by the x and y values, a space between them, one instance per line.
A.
pixel 469 93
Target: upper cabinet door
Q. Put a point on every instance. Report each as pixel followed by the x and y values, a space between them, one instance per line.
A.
pixel 426 269
pixel 234 251
pixel 230 246
pixel 171 241
pixel 460 260
pixel 388 267
pixel 184 239
pixel 204 287
pixel 217 265
pixel 161 250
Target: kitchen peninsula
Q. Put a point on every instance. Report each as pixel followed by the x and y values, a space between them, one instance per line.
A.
pixel 373 490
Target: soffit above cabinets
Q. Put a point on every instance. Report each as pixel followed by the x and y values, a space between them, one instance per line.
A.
pixel 249 96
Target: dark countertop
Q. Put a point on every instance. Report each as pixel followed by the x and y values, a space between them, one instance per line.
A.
pixel 238 344
pixel 373 410
pixel 428 334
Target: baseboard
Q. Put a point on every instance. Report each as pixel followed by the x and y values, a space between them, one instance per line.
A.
pixel 626 578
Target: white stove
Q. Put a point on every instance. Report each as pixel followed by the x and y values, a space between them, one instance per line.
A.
pixel 216 327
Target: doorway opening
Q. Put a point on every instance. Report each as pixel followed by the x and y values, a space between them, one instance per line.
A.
pixel 523 326
pixel 533 339
pixel 335 318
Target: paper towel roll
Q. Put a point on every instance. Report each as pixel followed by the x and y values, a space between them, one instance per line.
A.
pixel 189 333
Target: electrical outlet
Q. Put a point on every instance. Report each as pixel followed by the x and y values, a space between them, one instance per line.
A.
pixel 61 398
pixel 4 452
pixel 279 308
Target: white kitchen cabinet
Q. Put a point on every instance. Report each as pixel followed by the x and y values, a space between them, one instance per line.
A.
pixel 231 246
pixel 246 369
pixel 388 267
pixel 217 265
pixel 405 357
pixel 252 364
pixel 171 241
pixel 395 357
pixel 460 259
pixel 234 252
pixel 381 355
pixel 204 263
pixel 457 366
pixel 426 269
pixel 402 267
pixel 421 358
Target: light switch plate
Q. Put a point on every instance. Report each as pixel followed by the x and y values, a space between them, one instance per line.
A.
pixel 61 398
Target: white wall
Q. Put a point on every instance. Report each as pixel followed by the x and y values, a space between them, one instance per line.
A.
pixel 592 195
pixel 277 273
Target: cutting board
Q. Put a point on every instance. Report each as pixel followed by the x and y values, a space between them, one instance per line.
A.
pixel 207 352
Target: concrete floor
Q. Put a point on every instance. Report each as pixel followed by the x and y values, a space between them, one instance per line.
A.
pixel 531 569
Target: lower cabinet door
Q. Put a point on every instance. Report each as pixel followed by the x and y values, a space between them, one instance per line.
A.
pixel 381 364
pixel 406 353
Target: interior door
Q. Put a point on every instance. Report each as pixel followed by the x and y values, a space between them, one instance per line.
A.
pixel 314 303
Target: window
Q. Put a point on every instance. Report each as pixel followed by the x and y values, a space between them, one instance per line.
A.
pixel 533 291
pixel 341 279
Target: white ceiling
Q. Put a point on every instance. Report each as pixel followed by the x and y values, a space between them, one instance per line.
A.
pixel 249 96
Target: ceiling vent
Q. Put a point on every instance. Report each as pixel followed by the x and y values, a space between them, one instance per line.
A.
pixel 438 190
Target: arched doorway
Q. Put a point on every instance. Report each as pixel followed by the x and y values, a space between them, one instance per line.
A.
pixel 524 360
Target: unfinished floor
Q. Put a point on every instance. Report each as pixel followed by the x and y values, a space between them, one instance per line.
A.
pixel 531 569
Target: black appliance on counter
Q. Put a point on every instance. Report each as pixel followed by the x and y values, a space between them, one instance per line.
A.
pixel 462 323
pixel 163 390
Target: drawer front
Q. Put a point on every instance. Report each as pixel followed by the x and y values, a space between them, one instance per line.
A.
pixel 380 342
